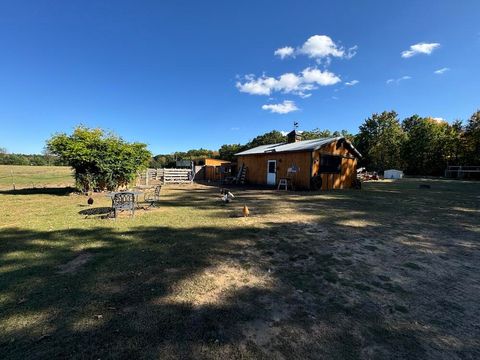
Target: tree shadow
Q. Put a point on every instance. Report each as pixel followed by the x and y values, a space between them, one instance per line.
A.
pixel 336 286
pixel 59 191
pixel 96 211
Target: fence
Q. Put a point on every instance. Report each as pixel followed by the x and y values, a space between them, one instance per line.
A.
pixel 165 176
pixel 21 177
pixel 462 172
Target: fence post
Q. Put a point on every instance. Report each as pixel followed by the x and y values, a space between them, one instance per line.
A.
pixel 13 180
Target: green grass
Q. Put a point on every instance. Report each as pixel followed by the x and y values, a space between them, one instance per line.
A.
pixel 34 176
pixel 319 275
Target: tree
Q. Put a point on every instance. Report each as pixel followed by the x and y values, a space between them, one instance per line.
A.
pixel 227 152
pixel 100 160
pixel 272 137
pixel 428 146
pixel 472 139
pixel 380 140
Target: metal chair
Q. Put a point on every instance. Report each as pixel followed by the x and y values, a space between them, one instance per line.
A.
pixel 153 196
pixel 123 201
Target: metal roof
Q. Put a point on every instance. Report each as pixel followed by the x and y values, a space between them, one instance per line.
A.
pixel 305 145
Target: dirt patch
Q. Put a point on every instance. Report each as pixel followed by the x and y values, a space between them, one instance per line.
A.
pixel 75 264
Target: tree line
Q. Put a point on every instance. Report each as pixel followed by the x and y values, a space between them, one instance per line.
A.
pixel 29 159
pixel 418 145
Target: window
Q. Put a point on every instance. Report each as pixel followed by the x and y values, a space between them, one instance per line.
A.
pixel 330 164
pixel 271 167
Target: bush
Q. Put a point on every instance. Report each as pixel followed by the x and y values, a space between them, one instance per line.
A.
pixel 100 160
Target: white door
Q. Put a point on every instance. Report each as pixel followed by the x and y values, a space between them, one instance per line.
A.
pixel 271 172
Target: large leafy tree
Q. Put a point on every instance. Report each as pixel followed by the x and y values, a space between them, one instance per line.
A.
pixel 472 140
pixel 380 140
pixel 317 134
pixel 228 151
pixel 429 145
pixel 101 160
pixel 272 137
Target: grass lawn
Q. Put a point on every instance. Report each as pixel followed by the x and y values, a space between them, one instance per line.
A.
pixel 391 271
pixel 34 176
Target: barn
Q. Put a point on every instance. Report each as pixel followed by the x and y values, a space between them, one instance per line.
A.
pixel 326 163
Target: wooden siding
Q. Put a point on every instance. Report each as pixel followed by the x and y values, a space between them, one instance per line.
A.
pixel 215 162
pixel 348 168
pixel 308 163
pixel 257 167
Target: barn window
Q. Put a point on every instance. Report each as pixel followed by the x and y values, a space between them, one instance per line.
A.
pixel 330 164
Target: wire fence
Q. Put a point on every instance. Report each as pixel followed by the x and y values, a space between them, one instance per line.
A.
pixel 12 180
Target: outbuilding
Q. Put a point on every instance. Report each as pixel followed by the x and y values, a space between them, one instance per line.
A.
pixel 325 163
pixel 392 174
pixel 212 169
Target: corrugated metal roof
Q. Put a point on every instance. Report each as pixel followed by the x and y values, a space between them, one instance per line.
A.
pixel 305 145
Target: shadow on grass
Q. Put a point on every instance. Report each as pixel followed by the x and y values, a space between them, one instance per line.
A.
pixel 338 286
pixel 60 191
pixel 123 302
pixel 96 211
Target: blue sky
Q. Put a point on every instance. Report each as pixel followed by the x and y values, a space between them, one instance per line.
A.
pixel 188 74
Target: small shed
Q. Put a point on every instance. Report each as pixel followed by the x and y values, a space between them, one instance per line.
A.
pixel 325 163
pixel 212 169
pixel 393 174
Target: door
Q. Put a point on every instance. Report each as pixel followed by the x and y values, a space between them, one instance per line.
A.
pixel 271 172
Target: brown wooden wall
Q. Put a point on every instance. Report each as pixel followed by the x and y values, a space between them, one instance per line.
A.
pixel 257 167
pixel 215 162
pixel 308 164
pixel 348 171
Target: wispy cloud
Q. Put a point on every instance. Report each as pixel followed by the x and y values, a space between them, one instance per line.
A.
pixel 318 47
pixel 352 83
pixel 420 48
pixel 405 77
pixel 288 83
pixel 283 108
pixel 441 71
pixel 234 128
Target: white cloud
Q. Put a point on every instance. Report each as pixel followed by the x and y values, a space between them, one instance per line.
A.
pixel 288 83
pixel 318 47
pixel 283 108
pixel 352 83
pixel 405 77
pixel 321 46
pixel 441 71
pixel 420 48
pixel 260 86
pixel 284 52
pixel 439 119
pixel 322 78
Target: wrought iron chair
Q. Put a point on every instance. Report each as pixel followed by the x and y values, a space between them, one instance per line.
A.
pixel 123 201
pixel 153 196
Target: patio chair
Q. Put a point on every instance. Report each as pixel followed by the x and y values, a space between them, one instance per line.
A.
pixel 123 201
pixel 153 196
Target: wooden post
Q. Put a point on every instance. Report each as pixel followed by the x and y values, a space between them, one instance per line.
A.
pixel 13 180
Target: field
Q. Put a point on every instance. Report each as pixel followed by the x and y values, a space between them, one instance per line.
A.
pixel 34 176
pixel 390 271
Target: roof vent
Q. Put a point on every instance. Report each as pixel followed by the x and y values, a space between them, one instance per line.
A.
pixel 293 136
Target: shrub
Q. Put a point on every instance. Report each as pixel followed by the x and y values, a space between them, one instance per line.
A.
pixel 101 160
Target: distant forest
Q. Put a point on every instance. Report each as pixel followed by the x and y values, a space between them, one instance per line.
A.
pixel 417 145
pixel 29 159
